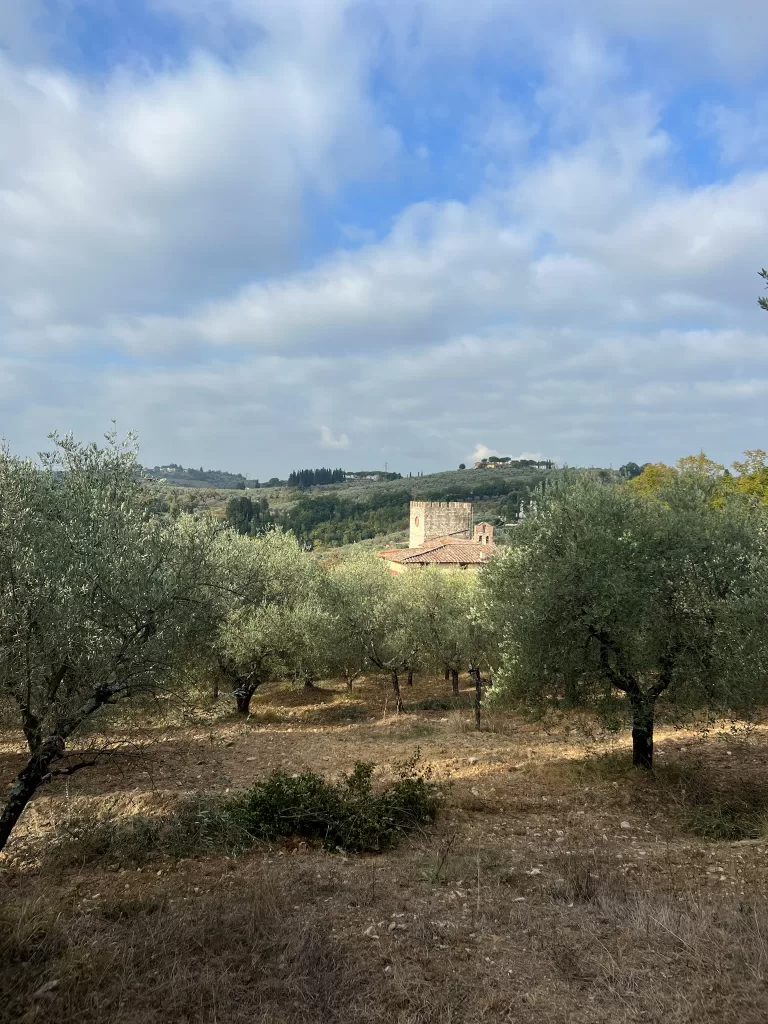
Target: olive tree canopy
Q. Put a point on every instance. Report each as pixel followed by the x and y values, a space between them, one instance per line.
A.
pixel 608 594
pixel 97 596
pixel 269 612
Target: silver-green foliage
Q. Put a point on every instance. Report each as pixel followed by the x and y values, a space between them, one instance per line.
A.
pixel 271 621
pixel 609 600
pixel 97 596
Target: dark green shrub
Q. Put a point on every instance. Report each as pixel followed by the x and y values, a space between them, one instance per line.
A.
pixel 348 815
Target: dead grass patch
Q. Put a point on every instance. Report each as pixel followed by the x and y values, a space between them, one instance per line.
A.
pixel 246 956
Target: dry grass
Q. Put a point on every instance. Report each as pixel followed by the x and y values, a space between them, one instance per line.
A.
pixel 558 885
pixel 245 955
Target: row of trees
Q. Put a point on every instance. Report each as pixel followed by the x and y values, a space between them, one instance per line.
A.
pixel 283 615
pixel 312 477
pixel 104 599
pixel 249 515
pixel 611 597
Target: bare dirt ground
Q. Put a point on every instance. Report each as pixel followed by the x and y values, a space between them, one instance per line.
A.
pixel 557 885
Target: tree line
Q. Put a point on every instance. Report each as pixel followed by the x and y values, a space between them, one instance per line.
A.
pixel 313 477
pixel 178 476
pixel 614 597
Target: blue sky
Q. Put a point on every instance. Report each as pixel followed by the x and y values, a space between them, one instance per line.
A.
pixel 270 234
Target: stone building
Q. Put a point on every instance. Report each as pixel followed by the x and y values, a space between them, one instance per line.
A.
pixel 445 553
pixel 432 519
pixel 441 534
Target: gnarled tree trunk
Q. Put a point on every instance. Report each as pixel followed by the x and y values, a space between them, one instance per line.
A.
pixel 242 695
pixel 29 779
pixel 455 681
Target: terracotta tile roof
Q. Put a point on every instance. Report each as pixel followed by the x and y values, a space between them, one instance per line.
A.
pixel 441 552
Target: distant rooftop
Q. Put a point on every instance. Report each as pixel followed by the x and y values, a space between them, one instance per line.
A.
pixel 442 551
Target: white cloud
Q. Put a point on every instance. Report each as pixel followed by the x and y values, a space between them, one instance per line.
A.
pixel 140 193
pixel 481 452
pixel 535 456
pixel 327 439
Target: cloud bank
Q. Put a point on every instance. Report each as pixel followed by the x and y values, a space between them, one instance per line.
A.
pixel 241 222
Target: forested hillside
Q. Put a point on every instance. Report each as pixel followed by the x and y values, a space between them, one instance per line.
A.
pixel 178 476
pixel 357 509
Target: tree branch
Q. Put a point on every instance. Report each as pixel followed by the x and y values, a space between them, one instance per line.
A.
pixel 70 770
pixel 607 646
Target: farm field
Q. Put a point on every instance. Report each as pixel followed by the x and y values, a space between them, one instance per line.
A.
pixel 556 885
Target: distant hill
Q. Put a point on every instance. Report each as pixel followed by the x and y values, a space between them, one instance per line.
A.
pixel 178 476
pixel 361 508
pixel 364 507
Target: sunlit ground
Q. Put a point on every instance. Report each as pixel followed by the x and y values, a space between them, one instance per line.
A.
pixel 558 884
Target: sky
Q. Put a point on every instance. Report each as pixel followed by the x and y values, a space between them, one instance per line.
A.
pixel 274 234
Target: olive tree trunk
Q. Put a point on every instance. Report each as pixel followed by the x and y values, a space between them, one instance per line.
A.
pixel 242 695
pixel 398 695
pixel 475 674
pixel 29 779
pixel 455 681
pixel 642 732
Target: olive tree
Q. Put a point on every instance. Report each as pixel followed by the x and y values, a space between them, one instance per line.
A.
pixel 346 637
pixel 451 624
pixel 98 597
pixel 267 599
pixel 606 594
pixel 376 613
pixel 441 602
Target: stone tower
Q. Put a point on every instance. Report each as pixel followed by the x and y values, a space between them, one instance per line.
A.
pixel 431 519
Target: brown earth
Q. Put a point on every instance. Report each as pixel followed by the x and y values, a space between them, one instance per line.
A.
pixel 558 884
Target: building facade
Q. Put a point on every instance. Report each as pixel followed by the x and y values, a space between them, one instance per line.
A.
pixel 432 519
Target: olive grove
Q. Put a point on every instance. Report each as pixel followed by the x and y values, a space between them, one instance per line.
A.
pixel 612 595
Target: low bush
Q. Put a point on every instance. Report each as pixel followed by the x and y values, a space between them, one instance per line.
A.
pixel 349 815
